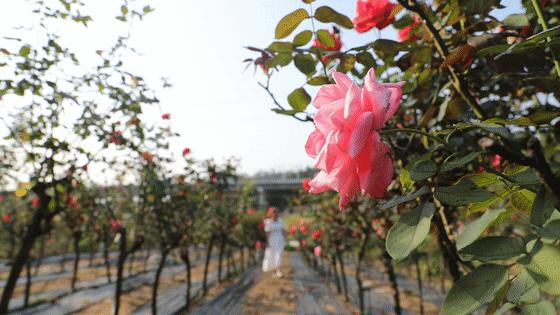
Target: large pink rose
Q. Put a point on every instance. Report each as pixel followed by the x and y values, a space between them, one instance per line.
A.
pixel 345 144
pixel 373 13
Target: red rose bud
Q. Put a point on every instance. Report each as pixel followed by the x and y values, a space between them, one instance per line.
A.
pixel 6 218
pixel 166 116
pixel 148 156
pixel 303 243
pixel 258 245
pixel 496 161
pixel 186 151
pixel 115 225
pixel 305 184
pixel 293 229
pixel 35 202
pixel 317 234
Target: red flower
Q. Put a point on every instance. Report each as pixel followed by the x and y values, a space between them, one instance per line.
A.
pixel 261 225
pixel 303 229
pixel 336 47
pixel 258 245
pixel 233 221
pixel 35 202
pixel 115 225
pixel 496 161
pixel 166 116
pixel 116 137
pixel 317 251
pixel 373 13
pixel 405 33
pixel 305 184
pixel 270 211
pixel 148 156
pixel 6 218
pixel 317 234
pixel 293 229
pixel 186 151
pixel 2 198
pixel 303 243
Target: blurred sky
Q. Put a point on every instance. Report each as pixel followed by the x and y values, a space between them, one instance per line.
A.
pixel 215 105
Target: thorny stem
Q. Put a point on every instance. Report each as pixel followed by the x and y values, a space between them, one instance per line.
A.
pixel 544 25
pixel 457 79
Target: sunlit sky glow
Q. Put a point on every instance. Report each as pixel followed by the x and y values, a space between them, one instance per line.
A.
pixel 215 105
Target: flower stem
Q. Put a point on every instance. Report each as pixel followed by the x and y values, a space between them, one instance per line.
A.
pixel 544 25
pixel 414 131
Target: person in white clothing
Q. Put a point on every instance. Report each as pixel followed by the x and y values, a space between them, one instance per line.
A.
pixel 274 228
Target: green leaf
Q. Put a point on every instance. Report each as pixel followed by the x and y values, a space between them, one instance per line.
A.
pixel 523 289
pixel 550 230
pixel 366 59
pixel 474 290
pixel 346 63
pixel 463 193
pixel 289 23
pixel 483 179
pixel 423 169
pixel 450 165
pixel 326 14
pixel 281 59
pixel 389 47
pixel 302 38
pixel 543 206
pixel 493 248
pixel 318 80
pixel 410 231
pixel 474 230
pixel 516 20
pixel 305 63
pixel 543 265
pixel 124 9
pixel 24 51
pixel 397 200
pixel 326 38
pixel 541 308
pixel 522 200
pixel 299 99
pixel 285 47
pixel 403 22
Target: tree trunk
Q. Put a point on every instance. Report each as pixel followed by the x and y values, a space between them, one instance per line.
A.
pixel 23 254
pixel 361 256
pixel 120 268
pixel 131 263
pixel 221 256
pixel 146 258
pixel 393 279
pixel 206 265
pixel 186 259
pixel 106 256
pixel 41 255
pixel 335 273
pixel 242 260
pixel 92 248
pixel 343 275
pixel 77 237
pixel 27 283
pixel 420 285
pixel 156 280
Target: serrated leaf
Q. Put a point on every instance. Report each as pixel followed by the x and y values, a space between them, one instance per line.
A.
pixel 523 289
pixel 318 80
pixel 410 231
pixel 453 164
pixel 493 248
pixel 289 23
pixel 281 59
pixel 522 200
pixel 299 99
pixel 474 230
pixel 305 63
pixel 474 290
pixel 280 47
pixel 540 308
pixel 543 265
pixel 326 38
pixel 302 38
pixel 482 179
pixel 516 20
pixel 423 169
pixel 406 198
pixel 326 14
pixel 461 194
